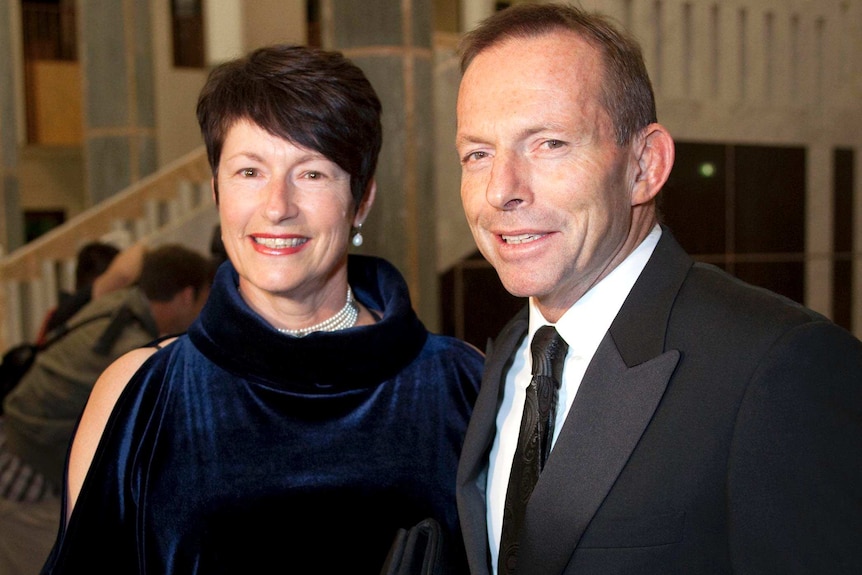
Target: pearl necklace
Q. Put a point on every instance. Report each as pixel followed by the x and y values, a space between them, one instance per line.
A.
pixel 342 320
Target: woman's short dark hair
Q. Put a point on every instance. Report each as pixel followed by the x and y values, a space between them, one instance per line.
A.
pixel 313 98
pixel 626 90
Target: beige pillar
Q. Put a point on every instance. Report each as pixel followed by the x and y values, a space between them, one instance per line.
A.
pixel 11 220
pixel 474 11
pixel 391 42
pixel 118 83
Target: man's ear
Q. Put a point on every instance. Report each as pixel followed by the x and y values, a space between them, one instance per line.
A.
pixel 185 297
pixel 654 154
pixel 366 203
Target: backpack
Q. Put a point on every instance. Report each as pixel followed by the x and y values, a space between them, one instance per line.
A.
pixel 18 360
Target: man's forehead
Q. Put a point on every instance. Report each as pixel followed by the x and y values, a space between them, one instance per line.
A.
pixel 529 71
pixel 515 63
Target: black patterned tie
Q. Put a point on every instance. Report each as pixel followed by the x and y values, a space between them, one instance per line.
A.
pixel 534 439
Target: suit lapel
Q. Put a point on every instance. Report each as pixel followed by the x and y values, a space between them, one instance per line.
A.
pixel 614 404
pixel 610 413
pixel 473 465
pixel 617 398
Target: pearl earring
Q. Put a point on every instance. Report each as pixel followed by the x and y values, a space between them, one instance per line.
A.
pixel 357 236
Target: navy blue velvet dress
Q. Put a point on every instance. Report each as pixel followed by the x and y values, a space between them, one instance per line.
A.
pixel 237 449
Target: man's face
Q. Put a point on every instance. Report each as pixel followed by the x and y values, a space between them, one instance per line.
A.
pixel 546 190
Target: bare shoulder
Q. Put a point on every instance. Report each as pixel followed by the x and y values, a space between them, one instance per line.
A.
pixel 113 381
pixel 103 398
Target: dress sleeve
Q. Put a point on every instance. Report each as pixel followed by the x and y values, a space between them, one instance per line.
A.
pixel 101 535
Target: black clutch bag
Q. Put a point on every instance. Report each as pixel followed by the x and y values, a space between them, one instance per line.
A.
pixel 416 551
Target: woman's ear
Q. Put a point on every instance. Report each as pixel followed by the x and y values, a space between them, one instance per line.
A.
pixel 365 205
pixel 214 186
pixel 654 152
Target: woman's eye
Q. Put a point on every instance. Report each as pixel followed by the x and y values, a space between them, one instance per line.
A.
pixel 248 172
pixel 314 175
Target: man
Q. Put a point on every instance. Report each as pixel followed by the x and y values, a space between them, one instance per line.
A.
pixel 42 411
pixel 701 425
pixel 100 268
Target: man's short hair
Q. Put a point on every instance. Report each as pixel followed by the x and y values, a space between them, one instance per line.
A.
pixel 169 269
pixel 92 260
pixel 626 90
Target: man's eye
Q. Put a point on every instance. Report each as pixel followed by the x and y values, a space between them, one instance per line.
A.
pixel 313 175
pixel 554 144
pixel 473 156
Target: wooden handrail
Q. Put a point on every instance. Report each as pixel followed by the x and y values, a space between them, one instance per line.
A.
pixel 63 241
pixel 136 212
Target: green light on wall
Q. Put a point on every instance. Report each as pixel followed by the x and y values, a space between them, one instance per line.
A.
pixel 706 169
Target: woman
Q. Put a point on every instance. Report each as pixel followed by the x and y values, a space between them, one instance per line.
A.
pixel 307 414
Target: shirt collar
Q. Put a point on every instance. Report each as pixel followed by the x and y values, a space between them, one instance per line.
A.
pixel 584 324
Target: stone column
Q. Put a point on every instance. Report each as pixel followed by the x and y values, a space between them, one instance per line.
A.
pixel 118 84
pixel 474 11
pixel 11 218
pixel 392 43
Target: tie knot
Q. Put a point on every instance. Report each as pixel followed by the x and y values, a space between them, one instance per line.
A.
pixel 548 350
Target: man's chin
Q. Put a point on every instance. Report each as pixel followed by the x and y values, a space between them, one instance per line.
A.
pixel 518 285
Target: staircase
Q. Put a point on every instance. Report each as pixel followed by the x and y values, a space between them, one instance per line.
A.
pixel 174 205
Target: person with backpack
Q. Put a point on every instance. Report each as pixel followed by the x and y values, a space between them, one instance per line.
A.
pixel 41 412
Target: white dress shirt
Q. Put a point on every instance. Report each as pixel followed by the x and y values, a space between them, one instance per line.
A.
pixel 582 327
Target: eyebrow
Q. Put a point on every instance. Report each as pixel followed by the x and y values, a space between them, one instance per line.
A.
pixel 521 135
pixel 462 139
pixel 245 155
pixel 310 156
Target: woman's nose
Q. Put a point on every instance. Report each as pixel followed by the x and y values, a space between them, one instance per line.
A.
pixel 280 201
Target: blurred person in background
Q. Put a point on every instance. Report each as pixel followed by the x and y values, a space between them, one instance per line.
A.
pixel 41 412
pixel 91 261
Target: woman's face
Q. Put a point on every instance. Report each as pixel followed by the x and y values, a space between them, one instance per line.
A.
pixel 286 214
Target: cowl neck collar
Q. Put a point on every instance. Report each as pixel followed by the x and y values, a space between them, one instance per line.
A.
pixel 234 337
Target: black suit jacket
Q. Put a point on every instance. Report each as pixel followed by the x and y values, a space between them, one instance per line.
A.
pixel 718 429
